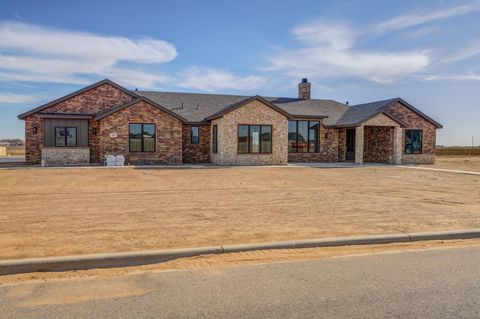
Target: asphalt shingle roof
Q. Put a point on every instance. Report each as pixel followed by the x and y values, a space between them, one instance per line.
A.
pixel 196 107
pixel 361 112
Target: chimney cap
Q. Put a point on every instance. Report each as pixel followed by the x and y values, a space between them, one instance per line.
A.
pixel 304 80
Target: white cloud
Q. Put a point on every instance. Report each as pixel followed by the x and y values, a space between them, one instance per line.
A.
pixel 455 77
pixel 35 53
pixel 414 19
pixel 209 80
pixel 8 98
pixel 330 52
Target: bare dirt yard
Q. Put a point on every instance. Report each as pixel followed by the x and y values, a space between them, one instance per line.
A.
pixel 54 212
pixel 461 163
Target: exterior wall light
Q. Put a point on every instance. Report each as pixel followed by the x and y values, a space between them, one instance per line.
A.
pixel 94 131
pixel 34 130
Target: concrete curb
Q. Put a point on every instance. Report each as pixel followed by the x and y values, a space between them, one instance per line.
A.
pixel 82 262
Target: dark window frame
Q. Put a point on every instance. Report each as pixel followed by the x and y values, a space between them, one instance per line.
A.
pixel 405 142
pixel 191 134
pixel 142 146
pixel 260 139
pixel 65 144
pixel 215 138
pixel 317 144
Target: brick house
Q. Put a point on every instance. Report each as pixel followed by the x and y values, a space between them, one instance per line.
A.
pixel 174 128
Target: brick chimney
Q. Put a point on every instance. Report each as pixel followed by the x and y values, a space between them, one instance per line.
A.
pixel 304 89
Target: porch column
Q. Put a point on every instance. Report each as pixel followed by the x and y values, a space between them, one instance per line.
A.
pixel 397 145
pixel 359 144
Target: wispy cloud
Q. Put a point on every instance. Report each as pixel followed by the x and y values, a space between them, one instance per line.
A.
pixel 208 79
pixel 329 51
pixel 455 77
pixel 37 53
pixel 414 19
pixel 8 98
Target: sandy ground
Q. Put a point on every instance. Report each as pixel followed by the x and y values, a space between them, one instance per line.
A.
pixel 55 212
pixel 462 163
pixel 216 264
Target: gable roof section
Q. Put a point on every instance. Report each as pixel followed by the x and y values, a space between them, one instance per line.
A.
pixel 68 96
pixel 132 102
pixel 246 101
pixel 358 114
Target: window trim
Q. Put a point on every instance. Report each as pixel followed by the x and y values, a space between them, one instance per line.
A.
pixel 65 131
pixel 260 140
pixel 405 141
pixel 215 139
pixel 142 139
pixel 318 144
pixel 191 134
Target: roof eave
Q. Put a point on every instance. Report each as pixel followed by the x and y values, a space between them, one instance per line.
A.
pixel 73 94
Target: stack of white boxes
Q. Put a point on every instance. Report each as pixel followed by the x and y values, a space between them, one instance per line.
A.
pixel 119 160
pixel 110 160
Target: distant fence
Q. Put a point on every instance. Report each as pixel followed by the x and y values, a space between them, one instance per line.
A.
pixel 12 150
pixel 458 151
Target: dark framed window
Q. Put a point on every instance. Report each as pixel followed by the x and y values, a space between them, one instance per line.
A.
pixel 254 139
pixel 65 137
pixel 194 134
pixel 215 138
pixel 142 137
pixel 303 136
pixel 413 141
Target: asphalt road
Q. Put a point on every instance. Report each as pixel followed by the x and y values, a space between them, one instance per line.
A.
pixel 428 284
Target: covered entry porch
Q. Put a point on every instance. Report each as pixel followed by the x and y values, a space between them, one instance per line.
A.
pixel 377 140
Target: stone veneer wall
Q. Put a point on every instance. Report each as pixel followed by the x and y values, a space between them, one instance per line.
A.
pixel 415 121
pixel 94 100
pixel 258 113
pixel 196 153
pixel 342 144
pixel 378 144
pixel 328 148
pixel 168 135
pixel 53 156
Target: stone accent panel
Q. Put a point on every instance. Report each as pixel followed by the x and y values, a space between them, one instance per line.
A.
pixel 97 99
pixel 328 148
pixel 59 156
pixel 378 144
pixel 342 144
pixel 415 121
pixel 254 112
pixel 114 135
pixel 196 153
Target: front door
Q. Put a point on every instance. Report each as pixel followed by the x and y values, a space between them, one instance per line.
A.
pixel 350 141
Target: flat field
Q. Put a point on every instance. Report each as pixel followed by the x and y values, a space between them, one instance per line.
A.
pixel 55 212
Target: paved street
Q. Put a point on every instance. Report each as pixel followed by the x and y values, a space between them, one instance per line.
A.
pixel 428 284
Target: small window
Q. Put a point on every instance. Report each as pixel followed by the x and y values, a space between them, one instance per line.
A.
pixel 142 137
pixel 215 139
pixel 194 134
pixel 254 139
pixel 413 141
pixel 65 136
pixel 303 136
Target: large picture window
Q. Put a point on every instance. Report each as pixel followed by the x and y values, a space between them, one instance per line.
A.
pixel 142 137
pixel 65 136
pixel 194 134
pixel 215 139
pixel 254 139
pixel 413 141
pixel 303 136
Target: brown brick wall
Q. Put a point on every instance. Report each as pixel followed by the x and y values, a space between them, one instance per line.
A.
pixel 95 100
pixel 168 131
pixel 415 121
pixel 33 142
pixel 196 153
pixel 328 148
pixel 378 144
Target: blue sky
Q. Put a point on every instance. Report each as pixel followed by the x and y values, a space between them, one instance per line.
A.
pixel 426 52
